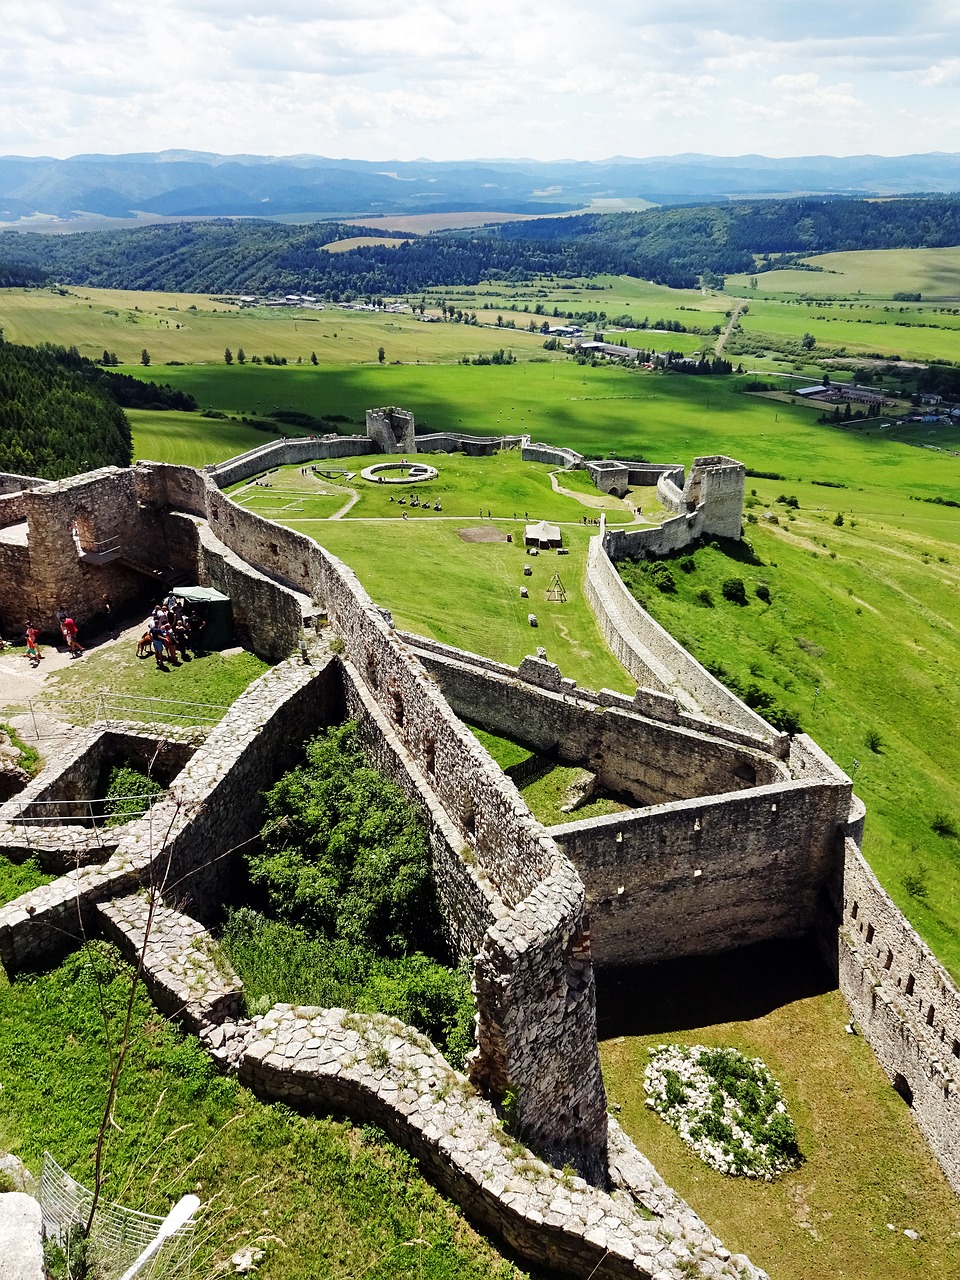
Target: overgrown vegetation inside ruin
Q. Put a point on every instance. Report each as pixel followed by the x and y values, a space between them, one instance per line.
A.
pixel 130 792
pixel 320 1197
pixel 20 877
pixel 350 913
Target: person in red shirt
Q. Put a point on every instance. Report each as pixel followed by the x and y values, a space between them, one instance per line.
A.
pixel 33 649
pixel 70 635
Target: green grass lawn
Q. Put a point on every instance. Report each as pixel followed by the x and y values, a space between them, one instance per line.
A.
pixel 468 593
pixel 115 669
pixel 320 1197
pixel 865 1162
pixel 191 440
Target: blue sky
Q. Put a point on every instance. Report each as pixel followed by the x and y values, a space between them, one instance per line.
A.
pixel 448 79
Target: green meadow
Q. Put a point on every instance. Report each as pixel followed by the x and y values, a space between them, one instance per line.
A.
pixel 878 273
pixel 197 328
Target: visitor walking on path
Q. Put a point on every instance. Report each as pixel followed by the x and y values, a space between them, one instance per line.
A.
pixel 70 635
pixel 33 649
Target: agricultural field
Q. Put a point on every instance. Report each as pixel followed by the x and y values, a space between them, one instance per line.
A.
pixel 875 273
pixel 197 329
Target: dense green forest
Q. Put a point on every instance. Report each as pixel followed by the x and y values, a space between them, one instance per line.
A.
pixel 57 417
pixel 675 246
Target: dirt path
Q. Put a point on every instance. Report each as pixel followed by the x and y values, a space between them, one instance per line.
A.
pixel 599 501
pixel 731 325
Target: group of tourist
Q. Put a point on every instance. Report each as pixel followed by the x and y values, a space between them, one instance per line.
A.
pixel 172 634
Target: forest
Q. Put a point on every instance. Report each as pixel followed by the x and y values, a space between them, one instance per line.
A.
pixel 679 246
pixel 61 414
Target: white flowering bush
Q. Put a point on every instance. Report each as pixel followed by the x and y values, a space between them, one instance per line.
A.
pixel 727 1108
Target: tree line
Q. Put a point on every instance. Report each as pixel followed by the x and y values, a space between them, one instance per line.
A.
pixel 679 246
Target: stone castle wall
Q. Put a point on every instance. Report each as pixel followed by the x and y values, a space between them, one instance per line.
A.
pixel 283 453
pixel 706 875
pixel 905 1004
pixel 653 657
pixel 645 760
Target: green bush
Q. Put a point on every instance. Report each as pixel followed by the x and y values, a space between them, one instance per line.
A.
pixel 734 591
pixel 283 963
pixel 763 592
pixel 346 855
pixel 129 794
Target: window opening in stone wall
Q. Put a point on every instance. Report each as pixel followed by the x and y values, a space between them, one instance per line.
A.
pixel 955 1049
pixel 855 911
pixel 870 932
pixel 429 756
pixel 910 985
pixel 930 1016
pixel 469 820
pixel 889 960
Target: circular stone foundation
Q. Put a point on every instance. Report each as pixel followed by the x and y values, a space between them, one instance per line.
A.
pixel 413 473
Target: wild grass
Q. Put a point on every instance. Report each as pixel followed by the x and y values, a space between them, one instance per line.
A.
pixel 19 877
pixel 320 1197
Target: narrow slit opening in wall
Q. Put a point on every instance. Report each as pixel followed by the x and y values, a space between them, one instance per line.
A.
pixel 855 911
pixel 910 985
pixel 930 1016
pixel 889 960
pixel 429 756
pixel 870 932
pixel 469 820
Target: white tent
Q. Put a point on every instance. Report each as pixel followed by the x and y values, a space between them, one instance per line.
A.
pixel 542 535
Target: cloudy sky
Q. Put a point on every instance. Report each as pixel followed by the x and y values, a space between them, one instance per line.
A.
pixel 448 79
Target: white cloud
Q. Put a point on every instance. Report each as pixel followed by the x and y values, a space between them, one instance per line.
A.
pixel 449 78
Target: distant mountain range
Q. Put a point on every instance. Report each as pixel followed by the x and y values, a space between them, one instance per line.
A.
pixel 198 184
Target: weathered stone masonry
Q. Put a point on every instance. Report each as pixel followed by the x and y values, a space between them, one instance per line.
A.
pixel 769 852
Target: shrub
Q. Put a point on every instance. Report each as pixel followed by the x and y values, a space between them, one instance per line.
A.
pixel 874 742
pixel 662 578
pixel 129 794
pixel 915 883
pixel 763 592
pixel 838 520
pixel 734 591
pixel 943 824
pixel 687 565
pixel 705 596
pixel 346 855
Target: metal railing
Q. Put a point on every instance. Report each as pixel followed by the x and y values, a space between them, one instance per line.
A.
pixel 91 812
pixel 114 708
pixel 118 1236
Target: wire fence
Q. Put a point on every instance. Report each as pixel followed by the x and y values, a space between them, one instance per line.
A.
pixel 118 1236
pixel 90 811
pixel 114 708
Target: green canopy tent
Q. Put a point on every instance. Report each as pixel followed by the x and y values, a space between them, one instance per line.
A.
pixel 213 606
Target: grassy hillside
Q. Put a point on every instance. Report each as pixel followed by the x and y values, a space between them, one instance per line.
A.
pixel 876 273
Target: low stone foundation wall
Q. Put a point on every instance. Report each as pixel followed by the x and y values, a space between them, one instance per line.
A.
pixel 382 1072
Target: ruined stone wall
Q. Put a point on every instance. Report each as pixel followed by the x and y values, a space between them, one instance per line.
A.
pixel 282 453
pixel 12 509
pixel 471 446
pixel 717 483
pixel 186 838
pixel 906 1005
pixel 10 483
pixel 644 760
pixel 393 430
pixel 703 876
pixel 553 455
pixel 653 657
pixel 647 474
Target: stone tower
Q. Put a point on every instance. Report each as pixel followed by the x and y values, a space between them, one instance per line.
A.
pixel 392 429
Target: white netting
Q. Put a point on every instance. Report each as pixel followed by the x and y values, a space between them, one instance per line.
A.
pixel 118 1235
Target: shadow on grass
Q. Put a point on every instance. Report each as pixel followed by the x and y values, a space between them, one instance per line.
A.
pixel 679 995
